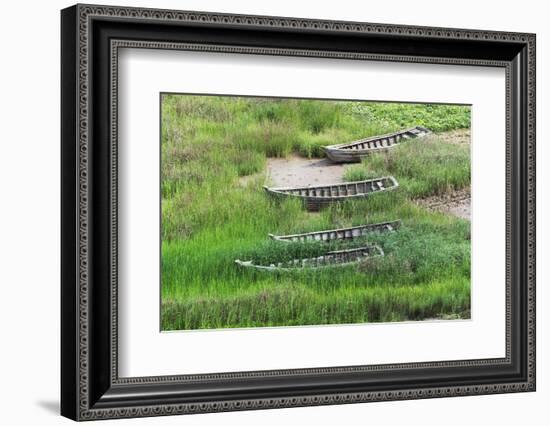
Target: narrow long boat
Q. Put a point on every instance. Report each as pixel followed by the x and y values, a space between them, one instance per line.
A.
pixel 316 197
pixel 339 234
pixel 352 152
pixel 336 258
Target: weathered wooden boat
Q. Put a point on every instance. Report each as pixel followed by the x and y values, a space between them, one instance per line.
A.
pixel 339 234
pixel 353 151
pixel 316 197
pixel 336 258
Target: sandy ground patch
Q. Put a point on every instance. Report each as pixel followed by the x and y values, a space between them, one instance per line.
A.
pixel 458 203
pixel 299 171
pixel 458 136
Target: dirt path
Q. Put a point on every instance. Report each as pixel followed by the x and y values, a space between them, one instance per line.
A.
pixel 299 171
pixel 460 136
pixel 458 203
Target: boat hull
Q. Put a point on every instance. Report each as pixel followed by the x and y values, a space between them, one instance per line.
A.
pixel 339 258
pixel 316 198
pixel 341 234
pixel 354 152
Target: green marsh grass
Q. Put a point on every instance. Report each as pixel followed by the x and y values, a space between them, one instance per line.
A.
pixel 423 167
pixel 210 218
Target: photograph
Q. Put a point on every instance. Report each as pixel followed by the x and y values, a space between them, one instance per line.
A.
pixel 279 212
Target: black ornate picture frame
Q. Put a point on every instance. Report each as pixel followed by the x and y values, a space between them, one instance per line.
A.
pixel 90 38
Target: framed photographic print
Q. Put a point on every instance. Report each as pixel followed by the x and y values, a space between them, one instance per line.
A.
pixel 263 212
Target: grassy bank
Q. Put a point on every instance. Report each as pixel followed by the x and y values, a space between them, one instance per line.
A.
pixel 209 218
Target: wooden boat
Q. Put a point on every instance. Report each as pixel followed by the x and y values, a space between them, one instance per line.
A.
pixel 339 234
pixel 316 197
pixel 353 151
pixel 336 258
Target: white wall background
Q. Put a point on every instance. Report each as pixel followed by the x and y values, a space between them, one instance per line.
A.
pixel 29 225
